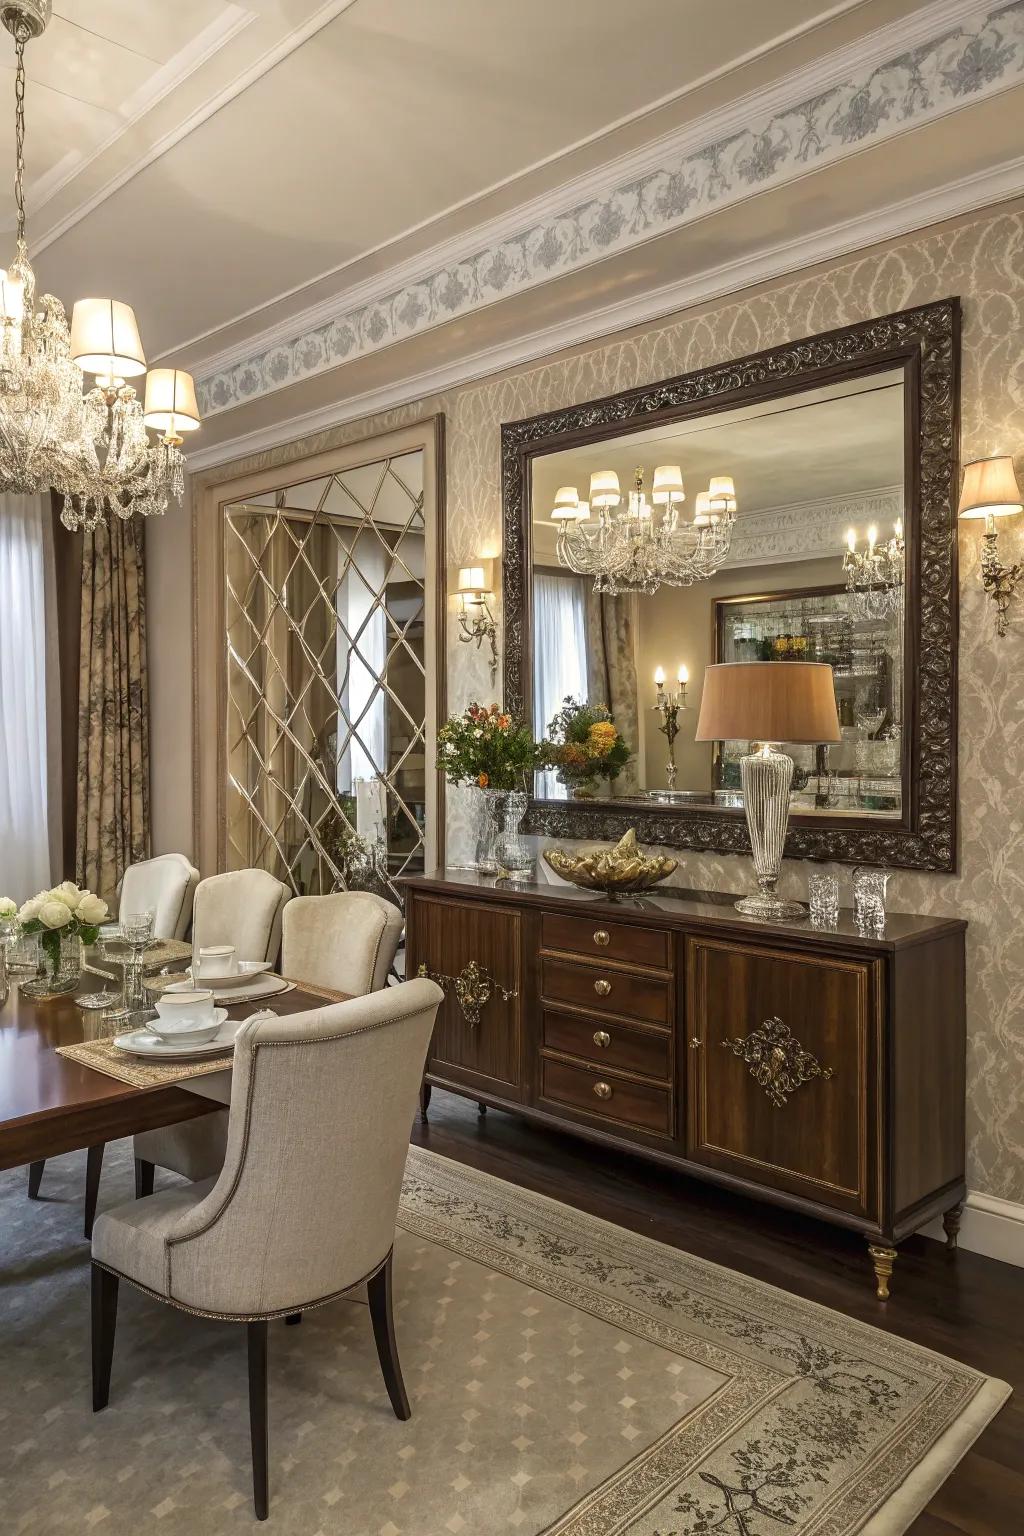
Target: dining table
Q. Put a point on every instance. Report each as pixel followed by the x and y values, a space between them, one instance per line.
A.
pixel 51 1104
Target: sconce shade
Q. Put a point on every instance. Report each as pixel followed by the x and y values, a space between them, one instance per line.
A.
pixel 171 401
pixel 792 701
pixel 702 509
pixel 604 488
pixel 472 580
pixel 721 494
pixel 990 489
pixel 668 485
pixel 105 339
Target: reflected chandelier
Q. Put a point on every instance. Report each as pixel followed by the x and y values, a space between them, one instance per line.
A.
pixel 874 577
pixel 92 448
pixel 646 544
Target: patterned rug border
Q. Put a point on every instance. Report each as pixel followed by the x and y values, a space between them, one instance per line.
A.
pixel 880 1497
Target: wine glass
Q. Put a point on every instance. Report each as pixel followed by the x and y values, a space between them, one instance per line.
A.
pixel 137 932
pixel 108 996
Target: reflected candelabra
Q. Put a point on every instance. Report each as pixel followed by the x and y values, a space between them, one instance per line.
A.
pixel 874 576
pixel 668 706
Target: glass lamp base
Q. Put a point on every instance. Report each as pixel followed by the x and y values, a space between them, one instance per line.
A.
pixel 771 909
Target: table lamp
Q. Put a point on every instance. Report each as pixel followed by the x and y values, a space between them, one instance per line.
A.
pixel 768 702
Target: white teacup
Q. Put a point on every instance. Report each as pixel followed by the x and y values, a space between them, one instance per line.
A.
pixel 214 960
pixel 184 1013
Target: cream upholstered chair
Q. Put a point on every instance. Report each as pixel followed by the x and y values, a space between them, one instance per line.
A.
pixel 347 943
pixel 164 886
pixel 243 908
pixel 304 1207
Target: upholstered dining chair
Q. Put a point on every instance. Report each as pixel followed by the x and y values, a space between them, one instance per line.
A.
pixel 347 943
pixel 164 886
pixel 304 1208
pixel 243 908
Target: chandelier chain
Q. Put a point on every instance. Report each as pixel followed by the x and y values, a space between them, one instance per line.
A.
pixel 21 37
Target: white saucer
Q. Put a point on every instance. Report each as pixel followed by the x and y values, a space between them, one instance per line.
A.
pixel 266 985
pixel 140 1042
pixel 248 970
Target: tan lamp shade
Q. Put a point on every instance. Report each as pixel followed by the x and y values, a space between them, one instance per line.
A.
pixel 604 488
pixel 990 489
pixel 668 485
pixel 105 339
pixel 171 405
pixel 792 701
pixel 567 505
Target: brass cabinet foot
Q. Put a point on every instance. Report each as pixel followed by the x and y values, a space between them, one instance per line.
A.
pixel 883 1260
pixel 951 1224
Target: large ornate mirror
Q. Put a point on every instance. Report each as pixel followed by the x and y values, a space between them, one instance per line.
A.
pixel 796 505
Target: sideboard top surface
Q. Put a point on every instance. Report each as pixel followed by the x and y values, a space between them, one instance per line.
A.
pixel 679 906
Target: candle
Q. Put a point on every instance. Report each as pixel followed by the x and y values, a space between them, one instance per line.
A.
pixel 851 541
pixel 683 675
pixel 659 676
pixel 899 527
pixel 872 538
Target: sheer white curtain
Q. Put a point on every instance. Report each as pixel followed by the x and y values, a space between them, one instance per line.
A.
pixel 24 745
pixel 362 698
pixel 559 657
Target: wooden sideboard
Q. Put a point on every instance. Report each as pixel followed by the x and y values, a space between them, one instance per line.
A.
pixel 820 1070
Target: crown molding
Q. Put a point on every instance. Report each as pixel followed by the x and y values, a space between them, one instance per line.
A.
pixel 885 85
pixel 966 195
pixel 326 13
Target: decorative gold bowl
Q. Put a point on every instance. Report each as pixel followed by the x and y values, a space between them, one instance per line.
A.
pixel 620 871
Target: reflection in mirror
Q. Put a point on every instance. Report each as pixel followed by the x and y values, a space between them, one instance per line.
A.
pixel 789 545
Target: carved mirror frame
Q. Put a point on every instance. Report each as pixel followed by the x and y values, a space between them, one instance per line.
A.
pixel 926 342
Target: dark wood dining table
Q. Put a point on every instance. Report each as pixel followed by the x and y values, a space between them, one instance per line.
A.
pixel 50 1105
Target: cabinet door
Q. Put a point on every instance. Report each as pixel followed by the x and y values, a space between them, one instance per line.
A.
pixel 783 1066
pixel 448 937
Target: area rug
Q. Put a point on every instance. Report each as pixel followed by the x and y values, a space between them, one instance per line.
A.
pixel 566 1377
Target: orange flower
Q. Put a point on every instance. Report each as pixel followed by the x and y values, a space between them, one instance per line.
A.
pixel 483 780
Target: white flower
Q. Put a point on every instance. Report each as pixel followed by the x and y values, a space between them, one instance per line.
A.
pixel 54 914
pixel 7 907
pixel 30 909
pixel 67 892
pixel 91 909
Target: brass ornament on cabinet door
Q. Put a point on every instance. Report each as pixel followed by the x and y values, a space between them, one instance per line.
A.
pixel 776 1060
pixel 474 987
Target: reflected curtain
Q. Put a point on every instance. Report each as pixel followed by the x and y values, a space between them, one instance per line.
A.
pixel 113 707
pixel 560 658
pixel 362 655
pixel 611 640
pixel 28 748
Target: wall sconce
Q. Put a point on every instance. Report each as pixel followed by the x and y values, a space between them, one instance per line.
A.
pixel 990 490
pixel 668 706
pixel 476 621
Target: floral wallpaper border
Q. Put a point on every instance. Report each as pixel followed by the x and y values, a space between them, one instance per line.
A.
pixel 979 57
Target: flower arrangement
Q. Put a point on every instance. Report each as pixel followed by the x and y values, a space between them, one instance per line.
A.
pixel 487 747
pixel 585 746
pixel 8 909
pixel 63 911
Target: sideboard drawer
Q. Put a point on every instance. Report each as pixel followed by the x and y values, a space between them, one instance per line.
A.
pixel 639 1106
pixel 609 1044
pixel 607 990
pixel 607 941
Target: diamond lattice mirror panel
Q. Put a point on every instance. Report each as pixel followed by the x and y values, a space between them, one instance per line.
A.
pixel 794 506
pixel 327 677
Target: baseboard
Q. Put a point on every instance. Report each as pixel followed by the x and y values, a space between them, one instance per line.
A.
pixel 990 1226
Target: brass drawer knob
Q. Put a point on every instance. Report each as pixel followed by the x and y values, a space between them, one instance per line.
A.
pixel 603 1090
pixel 602 1038
pixel 602 937
pixel 694 1042
pixel 602 987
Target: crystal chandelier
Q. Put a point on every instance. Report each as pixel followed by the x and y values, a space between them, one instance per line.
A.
pixel 874 576
pixel 92 448
pixel 646 544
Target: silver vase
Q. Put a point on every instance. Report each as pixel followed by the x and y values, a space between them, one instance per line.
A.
pixel 766 776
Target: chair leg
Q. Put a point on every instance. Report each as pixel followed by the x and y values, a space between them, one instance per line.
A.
pixel 259 1429
pixel 143 1178
pixel 35 1178
pixel 93 1169
pixel 104 1322
pixel 382 1316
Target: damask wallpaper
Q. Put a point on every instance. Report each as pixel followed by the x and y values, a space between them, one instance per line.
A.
pixel 982 261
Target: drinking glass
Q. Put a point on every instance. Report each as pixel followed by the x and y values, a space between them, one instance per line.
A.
pixel 136 931
pixel 107 996
pixel 823 898
pixel 869 887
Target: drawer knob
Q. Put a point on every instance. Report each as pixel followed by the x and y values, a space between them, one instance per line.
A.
pixel 602 987
pixel 602 937
pixel 602 1038
pixel 694 1042
pixel 603 1090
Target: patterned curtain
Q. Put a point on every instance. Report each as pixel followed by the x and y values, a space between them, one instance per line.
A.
pixel 113 708
pixel 611 641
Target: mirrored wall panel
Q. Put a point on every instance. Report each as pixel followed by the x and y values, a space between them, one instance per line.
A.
pixel 326 670
pixel 774 531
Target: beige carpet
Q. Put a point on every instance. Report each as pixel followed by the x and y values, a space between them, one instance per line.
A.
pixel 566 1377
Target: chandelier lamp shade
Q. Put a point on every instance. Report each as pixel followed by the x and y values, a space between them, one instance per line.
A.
pixel 88 442
pixel 637 545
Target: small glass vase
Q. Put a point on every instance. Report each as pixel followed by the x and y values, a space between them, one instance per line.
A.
pixel 61 968
pixel 515 861
pixel 585 789
pixel 489 824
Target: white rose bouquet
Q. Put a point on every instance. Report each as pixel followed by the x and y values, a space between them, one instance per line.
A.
pixel 64 910
pixel 8 909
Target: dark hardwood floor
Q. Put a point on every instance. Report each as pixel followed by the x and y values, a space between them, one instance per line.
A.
pixel 957 1303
